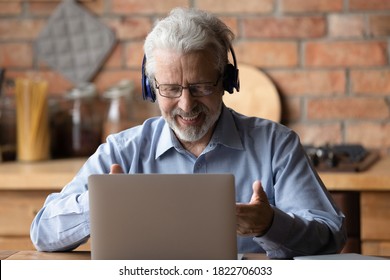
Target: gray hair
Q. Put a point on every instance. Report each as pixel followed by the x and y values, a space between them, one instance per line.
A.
pixel 187 30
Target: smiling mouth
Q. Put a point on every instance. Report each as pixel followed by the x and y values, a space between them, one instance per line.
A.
pixel 190 120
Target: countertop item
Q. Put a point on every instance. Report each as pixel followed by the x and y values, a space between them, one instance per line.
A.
pixel 2 75
pixel 258 96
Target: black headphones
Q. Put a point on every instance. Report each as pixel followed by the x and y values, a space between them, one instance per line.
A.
pixel 231 80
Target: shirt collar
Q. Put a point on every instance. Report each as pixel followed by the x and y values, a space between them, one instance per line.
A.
pixel 167 141
pixel 225 133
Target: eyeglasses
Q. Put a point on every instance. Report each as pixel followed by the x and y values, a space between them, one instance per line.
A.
pixel 196 90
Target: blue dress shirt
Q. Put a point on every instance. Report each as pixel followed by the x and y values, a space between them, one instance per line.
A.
pixel 306 220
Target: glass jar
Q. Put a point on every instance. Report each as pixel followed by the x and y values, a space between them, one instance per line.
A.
pixel 7 128
pixel 7 122
pixel 77 128
pixel 118 113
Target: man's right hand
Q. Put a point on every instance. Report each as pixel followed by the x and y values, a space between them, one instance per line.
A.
pixel 116 169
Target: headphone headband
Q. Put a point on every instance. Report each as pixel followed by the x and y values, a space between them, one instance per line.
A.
pixel 230 79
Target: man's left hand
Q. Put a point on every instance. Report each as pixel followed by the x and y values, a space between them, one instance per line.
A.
pixel 254 218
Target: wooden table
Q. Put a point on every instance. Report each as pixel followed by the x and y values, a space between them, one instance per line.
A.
pixel 76 255
pixel 35 255
pixel 25 186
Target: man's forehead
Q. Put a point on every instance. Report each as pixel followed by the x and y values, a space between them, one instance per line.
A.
pixel 197 64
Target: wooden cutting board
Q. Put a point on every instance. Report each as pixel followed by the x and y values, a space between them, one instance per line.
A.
pixel 258 96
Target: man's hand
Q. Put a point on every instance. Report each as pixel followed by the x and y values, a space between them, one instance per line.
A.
pixel 254 218
pixel 116 169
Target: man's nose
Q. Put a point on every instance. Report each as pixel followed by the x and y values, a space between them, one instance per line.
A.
pixel 187 102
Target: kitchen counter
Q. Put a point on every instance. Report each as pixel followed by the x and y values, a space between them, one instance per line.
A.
pixel 41 175
pixel 54 174
pixel 23 190
pixel 376 178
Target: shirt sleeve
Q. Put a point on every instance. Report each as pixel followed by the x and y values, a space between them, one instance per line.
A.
pixel 306 219
pixel 63 222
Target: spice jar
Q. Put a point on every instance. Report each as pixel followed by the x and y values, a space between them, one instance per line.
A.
pixel 118 114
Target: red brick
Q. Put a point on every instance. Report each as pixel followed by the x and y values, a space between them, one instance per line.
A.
pixel 319 134
pixel 42 65
pixel 115 59
pixel 9 8
pixel 20 28
pixel 303 6
pixel 370 134
pixel 106 79
pixel 42 8
pixel 267 54
pixel 310 83
pixel 344 25
pixel 16 55
pixel 131 28
pixel 58 84
pixel 236 7
pixel 287 27
pixel 347 53
pixel 134 54
pixel 232 23
pixel 95 7
pixel 146 7
pixel 291 109
pixel 369 5
pixel 380 25
pixel 375 82
pixel 347 108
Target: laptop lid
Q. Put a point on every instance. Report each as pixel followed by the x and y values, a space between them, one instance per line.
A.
pixel 162 216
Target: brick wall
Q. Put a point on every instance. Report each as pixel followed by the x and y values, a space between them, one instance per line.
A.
pixel 328 58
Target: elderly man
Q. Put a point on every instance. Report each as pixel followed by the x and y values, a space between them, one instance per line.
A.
pixel 283 207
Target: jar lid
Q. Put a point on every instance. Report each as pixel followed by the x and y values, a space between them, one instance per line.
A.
pixel 87 90
pixel 123 88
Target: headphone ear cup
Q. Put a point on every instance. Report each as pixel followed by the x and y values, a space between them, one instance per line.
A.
pixel 230 78
pixel 147 91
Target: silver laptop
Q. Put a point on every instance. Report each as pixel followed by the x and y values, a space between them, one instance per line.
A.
pixel 162 216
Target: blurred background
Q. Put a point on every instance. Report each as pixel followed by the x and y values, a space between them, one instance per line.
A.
pixel 329 59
